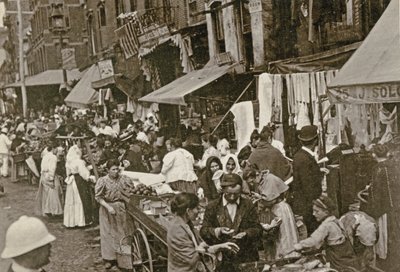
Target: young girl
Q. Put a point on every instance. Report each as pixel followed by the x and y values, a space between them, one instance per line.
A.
pixel 277 217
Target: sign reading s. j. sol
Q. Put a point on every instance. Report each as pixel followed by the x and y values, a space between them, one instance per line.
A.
pixel 382 93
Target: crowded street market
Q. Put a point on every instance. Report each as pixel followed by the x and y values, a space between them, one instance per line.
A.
pixel 219 141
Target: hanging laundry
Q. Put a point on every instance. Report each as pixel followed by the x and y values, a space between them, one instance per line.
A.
pixel 357 116
pixel 109 95
pixel 130 105
pixel 387 118
pixel 302 87
pixel 290 95
pixel 277 89
pixel 265 99
pixel 101 96
pixel 302 116
pixel 244 122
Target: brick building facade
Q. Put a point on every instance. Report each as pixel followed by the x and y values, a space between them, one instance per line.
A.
pixel 44 52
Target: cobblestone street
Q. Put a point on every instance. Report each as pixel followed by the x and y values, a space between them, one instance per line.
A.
pixel 74 249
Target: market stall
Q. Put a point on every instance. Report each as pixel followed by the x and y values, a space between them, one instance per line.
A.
pixel 150 216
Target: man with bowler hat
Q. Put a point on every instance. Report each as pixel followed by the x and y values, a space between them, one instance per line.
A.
pixel 232 218
pixel 307 177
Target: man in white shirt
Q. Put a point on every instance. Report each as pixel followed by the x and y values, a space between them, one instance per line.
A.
pixel 107 130
pixel 28 244
pixel 5 145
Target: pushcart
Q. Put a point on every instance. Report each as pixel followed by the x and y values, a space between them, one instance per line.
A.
pixel 149 232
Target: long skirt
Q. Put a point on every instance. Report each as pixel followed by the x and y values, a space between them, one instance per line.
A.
pixel 74 215
pixel 52 198
pixel 184 186
pixel 4 166
pixel 112 229
pixel 84 190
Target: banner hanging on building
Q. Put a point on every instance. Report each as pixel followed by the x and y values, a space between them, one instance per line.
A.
pixel 140 32
pixel 127 39
pixel 68 58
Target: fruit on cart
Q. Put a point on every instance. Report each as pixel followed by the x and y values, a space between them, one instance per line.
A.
pixel 143 190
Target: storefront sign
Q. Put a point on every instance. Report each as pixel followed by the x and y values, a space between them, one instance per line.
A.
pixel 106 68
pixel 68 58
pixel 255 6
pixel 382 93
pixel 152 35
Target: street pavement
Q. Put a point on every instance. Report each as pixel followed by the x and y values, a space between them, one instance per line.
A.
pixel 74 250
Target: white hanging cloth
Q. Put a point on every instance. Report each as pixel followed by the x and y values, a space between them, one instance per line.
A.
pixel 244 122
pixel 265 99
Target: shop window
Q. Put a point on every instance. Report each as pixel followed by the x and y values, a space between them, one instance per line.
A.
pixel 245 17
pixel 192 6
pixel 133 4
pixel 102 15
pixel 148 4
pixel 218 20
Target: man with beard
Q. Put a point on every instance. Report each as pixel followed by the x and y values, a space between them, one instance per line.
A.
pixel 28 244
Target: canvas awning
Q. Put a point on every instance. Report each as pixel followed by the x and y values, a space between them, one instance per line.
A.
pixel 48 77
pixel 174 93
pixel 372 74
pixel 122 82
pixel 328 60
pixel 83 94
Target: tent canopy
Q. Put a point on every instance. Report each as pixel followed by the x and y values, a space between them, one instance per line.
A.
pixel 83 94
pixel 174 93
pixel 48 77
pixel 372 74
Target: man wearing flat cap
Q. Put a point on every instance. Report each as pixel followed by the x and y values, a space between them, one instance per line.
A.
pixel 307 177
pixel 28 244
pixel 232 218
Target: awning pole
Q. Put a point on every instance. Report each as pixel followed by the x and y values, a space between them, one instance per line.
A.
pixel 21 60
pixel 237 99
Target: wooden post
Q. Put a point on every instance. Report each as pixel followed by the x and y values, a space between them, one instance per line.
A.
pixel 89 151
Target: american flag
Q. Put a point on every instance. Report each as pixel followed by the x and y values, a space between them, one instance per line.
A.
pixel 128 40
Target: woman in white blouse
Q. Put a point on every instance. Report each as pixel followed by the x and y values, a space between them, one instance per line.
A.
pixel 178 167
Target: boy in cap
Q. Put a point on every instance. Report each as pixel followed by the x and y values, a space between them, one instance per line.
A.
pixel 232 218
pixel 28 244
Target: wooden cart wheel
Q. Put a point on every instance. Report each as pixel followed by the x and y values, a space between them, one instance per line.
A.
pixel 141 255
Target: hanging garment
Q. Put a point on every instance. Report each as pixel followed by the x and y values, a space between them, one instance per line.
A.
pixel 265 99
pixel 302 117
pixel 130 106
pixel 277 89
pixel 302 87
pixel 290 95
pixel 244 122
pixel 381 246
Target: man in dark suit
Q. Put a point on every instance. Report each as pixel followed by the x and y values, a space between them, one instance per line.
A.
pixel 28 244
pixel 267 157
pixel 232 218
pixel 307 177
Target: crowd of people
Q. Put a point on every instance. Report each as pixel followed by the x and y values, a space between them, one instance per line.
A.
pixel 258 203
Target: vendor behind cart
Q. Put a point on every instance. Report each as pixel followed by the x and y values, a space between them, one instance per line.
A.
pixel 330 235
